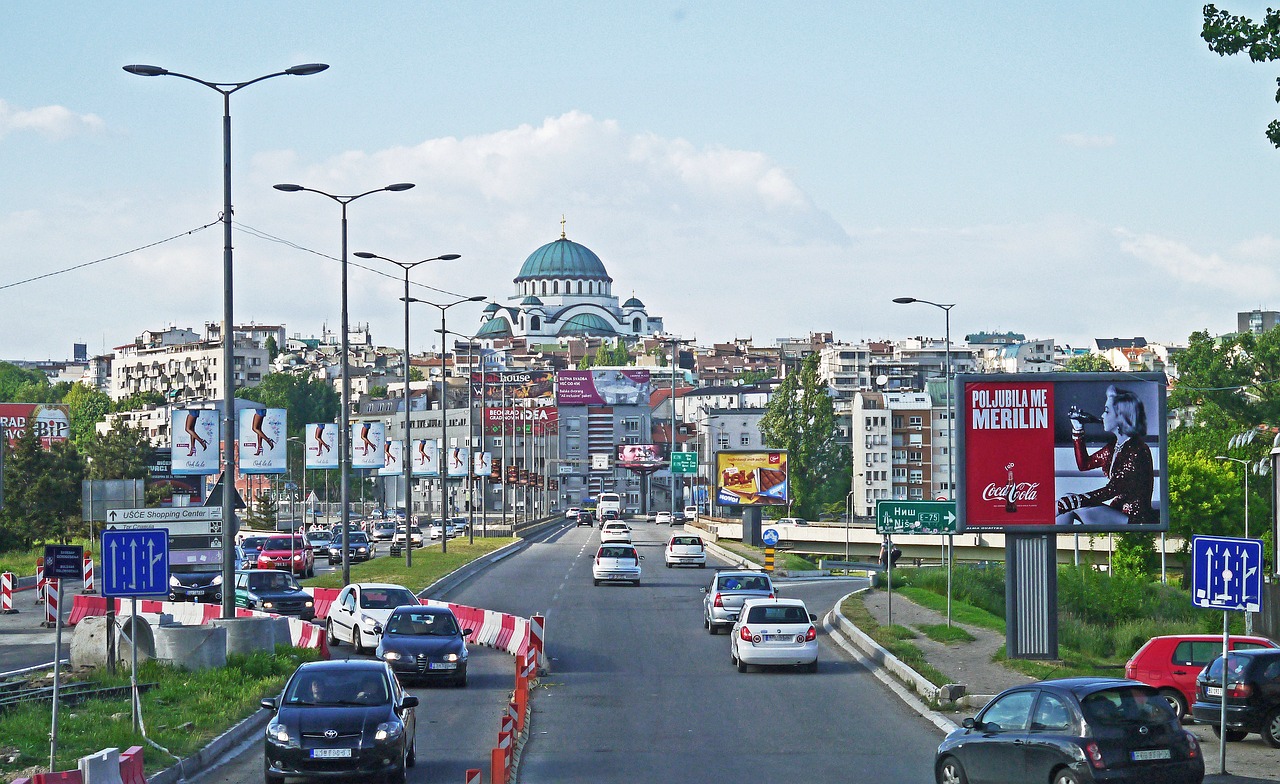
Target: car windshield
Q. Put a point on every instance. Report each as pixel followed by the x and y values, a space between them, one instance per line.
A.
pixel 319 536
pixel 273 581
pixel 686 540
pixel 785 614
pixel 386 598
pixel 1126 705
pixel 617 552
pixel 743 583
pixel 338 688
pixel 253 542
pixel 283 543
pixel 423 623
pixel 357 538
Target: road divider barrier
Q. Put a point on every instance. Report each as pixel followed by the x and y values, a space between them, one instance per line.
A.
pixel 6 594
pixel 91 770
pixel 88 573
pixel 51 603
pixel 39 581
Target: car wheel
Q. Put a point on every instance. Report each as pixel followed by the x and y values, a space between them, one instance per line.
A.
pixel 272 778
pixel 742 666
pixel 668 564
pixel 357 641
pixel 1176 701
pixel 1065 776
pixel 1271 729
pixel 636 583
pixel 595 582
pixel 1233 736
pixel 330 637
pixel 460 680
pixel 412 758
pixel 950 771
pixel 810 667
pixel 398 776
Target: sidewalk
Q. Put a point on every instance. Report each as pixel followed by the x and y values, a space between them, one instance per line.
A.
pixel 969 664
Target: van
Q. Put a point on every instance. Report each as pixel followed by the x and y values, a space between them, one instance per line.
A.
pixel 607 503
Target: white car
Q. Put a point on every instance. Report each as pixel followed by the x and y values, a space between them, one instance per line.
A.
pixel 615 531
pixel 691 512
pixel 662 518
pixel 415 536
pixel 616 562
pixel 685 549
pixel 792 521
pixel 359 612
pixel 775 632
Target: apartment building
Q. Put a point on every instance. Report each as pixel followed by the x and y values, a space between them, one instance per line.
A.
pixel 893 448
pixel 182 366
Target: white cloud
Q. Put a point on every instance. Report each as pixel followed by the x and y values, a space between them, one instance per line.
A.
pixel 1088 141
pixel 54 121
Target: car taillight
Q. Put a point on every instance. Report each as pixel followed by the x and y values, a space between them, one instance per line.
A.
pixel 811 635
pixel 1193 744
pixel 771 596
pixel 718 602
pixel 1239 691
pixel 745 634
pixel 1094 755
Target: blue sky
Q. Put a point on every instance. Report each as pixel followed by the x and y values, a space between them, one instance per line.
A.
pixel 747 169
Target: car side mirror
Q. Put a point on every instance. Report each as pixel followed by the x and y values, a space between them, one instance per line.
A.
pixel 269 703
pixel 703 589
pixel 969 723
pixel 377 628
pixel 641 557
pixel 813 617
pixel 409 701
pixel 467 632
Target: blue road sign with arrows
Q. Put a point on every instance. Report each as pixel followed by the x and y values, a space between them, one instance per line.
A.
pixel 770 537
pixel 1226 573
pixel 135 562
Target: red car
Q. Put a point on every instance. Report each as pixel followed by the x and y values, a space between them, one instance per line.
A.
pixel 1171 663
pixel 292 553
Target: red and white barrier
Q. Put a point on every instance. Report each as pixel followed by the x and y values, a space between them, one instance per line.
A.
pixel 88 572
pixel 51 603
pixel 537 633
pixel 40 586
pixel 6 594
pixel 473 776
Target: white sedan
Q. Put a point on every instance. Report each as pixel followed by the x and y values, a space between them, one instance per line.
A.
pixel 359 612
pixel 685 549
pixel 663 518
pixel 775 632
pixel 615 531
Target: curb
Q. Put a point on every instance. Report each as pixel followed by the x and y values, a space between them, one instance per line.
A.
pixel 202 760
pixel 462 573
pixel 731 556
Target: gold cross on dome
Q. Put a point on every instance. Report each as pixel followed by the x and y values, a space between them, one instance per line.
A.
pixel 562 226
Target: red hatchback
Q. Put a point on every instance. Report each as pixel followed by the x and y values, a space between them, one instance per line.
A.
pixel 1171 663
pixel 288 553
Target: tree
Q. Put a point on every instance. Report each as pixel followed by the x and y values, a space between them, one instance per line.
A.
pixel 585 362
pixel 1089 363
pixel 801 419
pixel 273 350
pixel 261 514
pixel 139 400
pixel 750 377
pixel 604 356
pixel 306 400
pixel 20 385
pixel 120 453
pixel 415 374
pixel 42 493
pixel 1227 34
pixel 621 356
pixel 87 407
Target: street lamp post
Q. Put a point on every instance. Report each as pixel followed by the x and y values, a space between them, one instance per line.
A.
pixel 1245 465
pixel 408 441
pixel 344 425
pixel 444 413
pixel 228 327
pixel 676 343
pixel 471 455
pixel 951 423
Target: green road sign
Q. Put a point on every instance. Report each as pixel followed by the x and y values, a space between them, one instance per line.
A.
pixel 684 462
pixel 915 517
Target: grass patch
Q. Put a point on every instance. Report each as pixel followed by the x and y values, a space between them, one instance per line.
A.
pixel 961 612
pixel 888 638
pixel 182 713
pixel 429 565
pixel 753 554
pixel 940 632
pixel 1072 664
pixel 22 563
pixel 796 563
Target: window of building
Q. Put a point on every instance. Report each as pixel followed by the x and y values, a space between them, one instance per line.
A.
pixel 899 474
pixel 915 457
pixel 746 439
pixel 916 476
pixel 722 441
pixel 635 324
pixel 897 422
pixel 579 287
pixel 916 493
pixel 631 425
pixel 915 421
pixel 535 323
pixel 555 287
pixel 544 287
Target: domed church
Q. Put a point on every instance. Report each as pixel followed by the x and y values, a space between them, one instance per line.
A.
pixel 564 290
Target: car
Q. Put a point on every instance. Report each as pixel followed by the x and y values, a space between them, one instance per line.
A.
pixel 383 530
pixel 195 583
pixel 458 526
pixel 685 549
pixel 320 538
pixel 1171 663
pixel 1069 731
pixel 724 596
pixel 651 515
pixel 616 562
pixel 585 517
pixel 679 518
pixel 250 546
pixel 792 521
pixel 358 546
pixel 572 513
pixel 615 531
pixel 774 632
pixel 662 518
pixel 611 514
pixel 1253 695
pixel 435 531
pixel 273 591
pixel 360 609
pixel 414 535
pixel 343 717
pixel 291 553
pixel 691 512
pixel 425 643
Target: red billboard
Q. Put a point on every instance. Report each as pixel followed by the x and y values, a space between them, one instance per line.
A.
pixel 51 421
pixel 1074 452
pixel 538 420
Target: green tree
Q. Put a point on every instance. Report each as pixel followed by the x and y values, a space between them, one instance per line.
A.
pixel 377 391
pixel 604 355
pixel 415 374
pixel 139 400
pixel 261 513
pixel 120 453
pixel 87 407
pixel 585 362
pixel 1227 34
pixel 42 493
pixel 273 350
pixel 749 377
pixel 801 419
pixel 659 352
pixel 1089 363
pixel 621 355
pixel 306 400
pixel 20 385
pixel 1205 497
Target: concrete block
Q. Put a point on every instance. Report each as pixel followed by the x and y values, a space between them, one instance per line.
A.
pixel 952 692
pixel 135 627
pixel 101 768
pixel 89 643
pixel 247 635
pixel 192 647
pixel 282 634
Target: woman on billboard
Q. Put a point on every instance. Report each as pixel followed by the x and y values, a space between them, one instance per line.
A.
pixel 1125 460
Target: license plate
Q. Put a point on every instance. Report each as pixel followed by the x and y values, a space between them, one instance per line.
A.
pixel 444 665
pixel 330 753
pixel 1152 754
pixel 196 593
pixel 1213 691
pixel 777 638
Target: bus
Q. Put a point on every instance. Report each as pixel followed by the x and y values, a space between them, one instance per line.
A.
pixel 607 503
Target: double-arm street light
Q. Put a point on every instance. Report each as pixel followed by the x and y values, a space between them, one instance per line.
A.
pixel 344 426
pixel 951 423
pixel 444 413
pixel 408 441
pixel 471 478
pixel 228 327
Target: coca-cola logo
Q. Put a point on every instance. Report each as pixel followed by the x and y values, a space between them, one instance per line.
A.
pixel 1023 491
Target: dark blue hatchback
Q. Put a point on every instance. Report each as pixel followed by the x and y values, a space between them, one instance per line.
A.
pixel 425 642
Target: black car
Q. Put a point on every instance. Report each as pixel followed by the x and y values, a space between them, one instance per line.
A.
pixel 1253 695
pixel 274 591
pixel 358 545
pixel 1071 731
pixel 425 643
pixel 587 517
pixel 195 583
pixel 250 546
pixel 340 718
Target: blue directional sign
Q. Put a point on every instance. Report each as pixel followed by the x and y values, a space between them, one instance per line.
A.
pixel 770 536
pixel 135 562
pixel 1226 573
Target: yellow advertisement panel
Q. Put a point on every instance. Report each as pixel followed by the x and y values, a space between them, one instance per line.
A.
pixel 751 478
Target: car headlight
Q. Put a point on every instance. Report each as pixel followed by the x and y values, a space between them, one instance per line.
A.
pixel 391 655
pixel 450 657
pixel 217 580
pixel 362 549
pixel 368 620
pixel 277 732
pixel 267 605
pixel 388 730
pixel 310 604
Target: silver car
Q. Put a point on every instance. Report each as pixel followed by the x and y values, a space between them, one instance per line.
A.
pixel 726 593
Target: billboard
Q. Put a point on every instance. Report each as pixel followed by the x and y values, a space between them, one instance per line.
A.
pixel 1073 452
pixel 177 491
pixel 193 436
pixel 640 457
pixel 751 478
pixel 322 440
pixel 508 421
pixel 392 458
pixel 494 388
pixel 459 461
pixel 261 445
pixel 602 387
pixel 483 464
pixel 368 448
pixel 52 422
pixel 426 457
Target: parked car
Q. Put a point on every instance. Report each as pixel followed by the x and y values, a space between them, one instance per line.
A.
pixel 662 518
pixel 1171 663
pixel 615 531
pixel 1253 695
pixel 383 530
pixel 425 643
pixel 616 562
pixel 361 609
pixel 1069 731
pixel 792 521
pixel 775 632
pixel 291 553
pixel 273 591
pixel 724 596
pixel 345 716
pixel 685 549
pixel 358 545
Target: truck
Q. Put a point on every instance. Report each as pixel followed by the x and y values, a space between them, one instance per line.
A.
pixel 609 505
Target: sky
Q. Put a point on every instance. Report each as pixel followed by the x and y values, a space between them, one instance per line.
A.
pixel 748 170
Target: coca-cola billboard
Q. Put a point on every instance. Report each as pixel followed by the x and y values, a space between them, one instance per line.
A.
pixel 1071 452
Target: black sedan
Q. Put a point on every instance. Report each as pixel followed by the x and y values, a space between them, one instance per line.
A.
pixel 1071 731
pixel 423 642
pixel 358 545
pixel 1253 695
pixel 274 591
pixel 346 718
